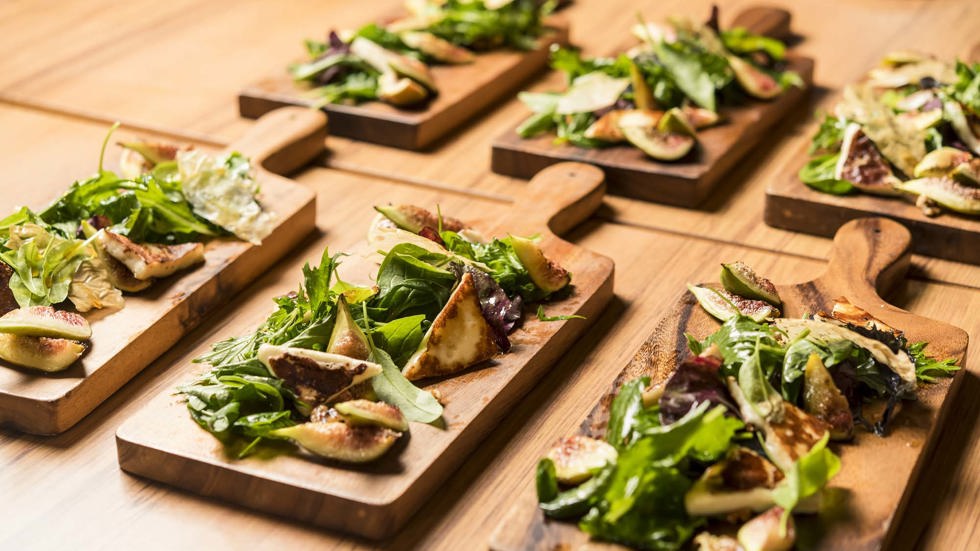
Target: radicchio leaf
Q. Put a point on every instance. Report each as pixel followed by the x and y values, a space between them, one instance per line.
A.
pixel 337 47
pixel 501 312
pixel 695 381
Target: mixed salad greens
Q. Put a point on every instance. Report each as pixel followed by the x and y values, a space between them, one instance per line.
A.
pixel 656 95
pixel 391 62
pixel 112 233
pixel 738 434
pixel 330 369
pixel 911 129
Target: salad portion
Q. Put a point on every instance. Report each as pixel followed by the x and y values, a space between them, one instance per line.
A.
pixel 737 440
pixel 331 369
pixel 115 233
pixel 657 95
pixel 911 129
pixel 391 62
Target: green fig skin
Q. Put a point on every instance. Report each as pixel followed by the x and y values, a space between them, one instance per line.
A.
pixel 741 279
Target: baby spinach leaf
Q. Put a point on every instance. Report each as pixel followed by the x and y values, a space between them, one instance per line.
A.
pixel 818 173
pixel 392 387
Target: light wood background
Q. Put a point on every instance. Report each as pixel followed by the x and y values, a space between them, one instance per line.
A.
pixel 71 66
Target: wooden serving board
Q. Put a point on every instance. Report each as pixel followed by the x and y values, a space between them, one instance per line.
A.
pixel 871 492
pixel 163 443
pixel 685 182
pixel 127 340
pixel 792 205
pixel 464 91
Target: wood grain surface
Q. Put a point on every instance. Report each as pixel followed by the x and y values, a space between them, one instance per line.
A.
pixel 464 91
pixel 685 182
pixel 870 255
pixel 127 340
pixel 71 67
pixel 163 443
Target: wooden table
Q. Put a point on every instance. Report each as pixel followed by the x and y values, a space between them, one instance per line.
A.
pixel 71 66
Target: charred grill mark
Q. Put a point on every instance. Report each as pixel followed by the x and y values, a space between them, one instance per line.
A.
pixel 312 381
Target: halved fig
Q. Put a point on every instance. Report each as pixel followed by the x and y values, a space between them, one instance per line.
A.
pixel 341 441
pixel 45 321
pixel 724 305
pixel 863 165
pixel 700 117
pixel 347 338
pixel 440 49
pixel 823 400
pixel 545 273
pixel 968 172
pixel 765 532
pixel 755 82
pixel 366 412
pixel 642 95
pixel 659 145
pixel 413 219
pixel 941 162
pixel 400 90
pixel 947 192
pixel 44 353
pixel 607 127
pixel 577 458
pixel 675 121
pixel 741 279
pixel 316 377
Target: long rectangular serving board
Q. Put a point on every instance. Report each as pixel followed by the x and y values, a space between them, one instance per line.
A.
pixel 161 442
pixel 127 340
pixel 464 91
pixel 686 182
pixel 791 205
pixel 872 491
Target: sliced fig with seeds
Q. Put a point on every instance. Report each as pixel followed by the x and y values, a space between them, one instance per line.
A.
pixel 741 279
pixel 577 458
pixel 724 305
pixel 45 321
pixel 947 192
pixel 44 353
pixel 366 412
pixel 341 441
pixel 863 165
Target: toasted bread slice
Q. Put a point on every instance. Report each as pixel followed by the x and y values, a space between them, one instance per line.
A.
pixel 148 261
pixel 458 338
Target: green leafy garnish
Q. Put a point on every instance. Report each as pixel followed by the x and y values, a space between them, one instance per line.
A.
pixel 929 369
pixel 543 317
pixel 818 173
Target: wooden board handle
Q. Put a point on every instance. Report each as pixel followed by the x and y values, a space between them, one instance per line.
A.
pixel 284 140
pixel 870 255
pixel 559 197
pixel 768 21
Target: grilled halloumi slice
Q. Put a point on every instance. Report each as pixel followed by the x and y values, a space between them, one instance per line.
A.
pixel 315 376
pixel 458 338
pixel 148 261
pixel 743 480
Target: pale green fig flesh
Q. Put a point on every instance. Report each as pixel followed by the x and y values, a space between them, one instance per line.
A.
pixel 947 192
pixel 44 353
pixel 700 117
pixel 676 122
pixel 724 305
pixel 413 219
pixel 340 441
pixel 967 173
pixel 545 273
pixel 347 338
pixel 658 145
pixel 366 412
pixel 400 91
pixel 45 321
pixel 741 279
pixel 940 162
pixel 755 82
pixel 642 95
pixel 823 400
pixel 577 458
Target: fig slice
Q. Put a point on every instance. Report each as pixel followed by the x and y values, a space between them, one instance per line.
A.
pixel 44 353
pixel 968 172
pixel 940 162
pixel 367 412
pixel 961 125
pixel 45 321
pixel 400 91
pixel 823 400
pixel 577 458
pixel 341 441
pixel 765 532
pixel 675 121
pixel 700 117
pixel 741 279
pixel 659 145
pixel 413 219
pixel 642 94
pixel 347 338
pixel 947 192
pixel 755 82
pixel 545 273
pixel 863 165
pixel 724 305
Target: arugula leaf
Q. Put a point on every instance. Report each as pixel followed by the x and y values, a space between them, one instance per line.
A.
pixel 829 135
pixel 929 369
pixel 740 338
pixel 818 173
pixel 392 387
pixel 966 89
pixel 543 317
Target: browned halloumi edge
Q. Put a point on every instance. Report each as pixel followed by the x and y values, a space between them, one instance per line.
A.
pixel 316 377
pixel 742 481
pixel 148 261
pixel 459 337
